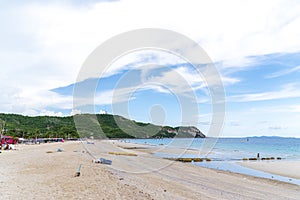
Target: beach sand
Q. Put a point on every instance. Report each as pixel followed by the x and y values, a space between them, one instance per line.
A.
pixel 283 168
pixel 40 172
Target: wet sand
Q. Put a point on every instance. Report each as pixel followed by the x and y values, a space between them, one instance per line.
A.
pixel 283 168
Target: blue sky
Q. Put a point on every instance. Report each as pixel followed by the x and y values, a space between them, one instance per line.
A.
pixel 255 47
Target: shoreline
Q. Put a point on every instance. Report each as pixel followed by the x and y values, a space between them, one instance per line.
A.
pixel 31 172
pixel 286 168
pixel 279 170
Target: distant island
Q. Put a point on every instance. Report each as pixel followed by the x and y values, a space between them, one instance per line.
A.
pixel 64 127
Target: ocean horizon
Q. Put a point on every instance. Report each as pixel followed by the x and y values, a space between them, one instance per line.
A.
pixel 221 149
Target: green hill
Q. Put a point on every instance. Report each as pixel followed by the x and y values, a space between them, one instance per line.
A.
pixel 87 125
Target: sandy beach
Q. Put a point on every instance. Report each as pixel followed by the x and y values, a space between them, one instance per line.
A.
pixel 283 168
pixel 41 172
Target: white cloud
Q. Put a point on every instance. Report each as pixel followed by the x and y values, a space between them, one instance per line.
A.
pixel 234 123
pixel 43 45
pixel 287 91
pixel 277 109
pixel 284 72
pixel 277 128
pixel 295 108
pixel 32 102
pixel 50 113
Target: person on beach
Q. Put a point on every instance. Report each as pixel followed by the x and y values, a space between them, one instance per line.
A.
pixel 257 155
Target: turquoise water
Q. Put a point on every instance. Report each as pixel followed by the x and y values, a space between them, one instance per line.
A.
pixel 226 149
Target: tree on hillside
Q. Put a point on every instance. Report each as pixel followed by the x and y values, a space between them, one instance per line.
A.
pixel 68 132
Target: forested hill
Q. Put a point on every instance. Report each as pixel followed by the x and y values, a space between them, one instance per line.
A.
pixel 88 126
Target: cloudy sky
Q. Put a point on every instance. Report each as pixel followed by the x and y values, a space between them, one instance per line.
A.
pixel 255 45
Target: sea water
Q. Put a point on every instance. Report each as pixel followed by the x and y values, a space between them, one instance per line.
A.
pixel 226 149
pixel 224 152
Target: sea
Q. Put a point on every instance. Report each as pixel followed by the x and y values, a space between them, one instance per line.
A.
pixel 225 152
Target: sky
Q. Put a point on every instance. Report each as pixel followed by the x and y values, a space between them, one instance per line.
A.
pixel 254 45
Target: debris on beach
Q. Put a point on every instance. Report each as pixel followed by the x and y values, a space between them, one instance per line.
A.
pixel 59 150
pixel 103 161
pixel 252 158
pixel 132 147
pixel 90 142
pixel 187 159
pixel 209 159
pixel 122 153
pixel 263 158
pixel 78 171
